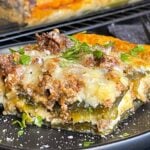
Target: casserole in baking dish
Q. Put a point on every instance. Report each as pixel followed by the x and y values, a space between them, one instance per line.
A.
pixel 34 12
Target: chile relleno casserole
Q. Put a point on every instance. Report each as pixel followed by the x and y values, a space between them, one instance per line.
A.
pixel 85 82
pixel 34 12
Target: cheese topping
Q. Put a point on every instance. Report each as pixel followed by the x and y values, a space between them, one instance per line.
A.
pixel 68 81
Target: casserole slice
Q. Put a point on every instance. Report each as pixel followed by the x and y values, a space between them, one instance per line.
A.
pixel 84 82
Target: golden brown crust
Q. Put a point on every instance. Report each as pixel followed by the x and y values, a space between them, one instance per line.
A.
pixel 120 46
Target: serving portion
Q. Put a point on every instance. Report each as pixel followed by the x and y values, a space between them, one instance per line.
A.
pixel 34 12
pixel 84 82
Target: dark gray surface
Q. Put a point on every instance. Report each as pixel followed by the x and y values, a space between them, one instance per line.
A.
pixel 134 33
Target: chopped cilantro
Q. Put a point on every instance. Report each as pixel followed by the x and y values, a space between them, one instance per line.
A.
pixel 98 54
pixel 109 44
pixel 85 48
pixel 38 121
pixel 22 123
pixel 124 57
pixel 20 50
pixel 20 132
pixel 135 51
pixel 79 49
pixel 73 39
pixel 25 59
pixel 19 123
pixel 65 63
pixel 70 54
pixel 75 51
pixel 22 126
pixel 87 143
pixel 25 118
pixel 12 50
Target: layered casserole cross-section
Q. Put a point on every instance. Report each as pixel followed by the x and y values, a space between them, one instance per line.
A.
pixel 85 82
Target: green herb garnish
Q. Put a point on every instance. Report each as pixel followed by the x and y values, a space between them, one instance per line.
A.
pixel 25 59
pixel 87 143
pixel 124 57
pixel 25 118
pixel 135 51
pixel 38 121
pixel 20 50
pixel 73 39
pixel 75 51
pixel 12 50
pixel 109 44
pixel 22 126
pixel 85 48
pixel 79 49
pixel 98 54
pixel 19 123
pixel 20 132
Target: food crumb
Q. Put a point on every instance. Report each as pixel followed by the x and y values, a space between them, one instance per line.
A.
pixel 44 146
pixel 41 137
pixel 9 139
pixel 5 120
pixel 4 130
pixel 70 137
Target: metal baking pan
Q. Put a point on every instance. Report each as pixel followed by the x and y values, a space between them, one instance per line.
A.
pixel 12 30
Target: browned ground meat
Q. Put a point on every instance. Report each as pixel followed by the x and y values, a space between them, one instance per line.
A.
pixel 59 91
pixel 108 62
pixel 7 64
pixel 53 41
